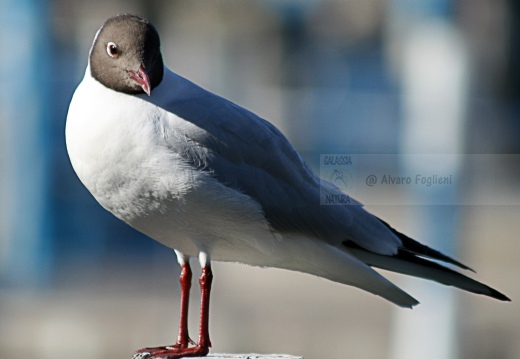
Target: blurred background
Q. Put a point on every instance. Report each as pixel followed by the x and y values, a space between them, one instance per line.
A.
pixel 336 76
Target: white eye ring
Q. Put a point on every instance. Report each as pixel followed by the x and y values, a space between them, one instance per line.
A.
pixel 112 50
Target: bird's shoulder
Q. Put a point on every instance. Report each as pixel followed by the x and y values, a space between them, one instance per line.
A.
pixel 226 131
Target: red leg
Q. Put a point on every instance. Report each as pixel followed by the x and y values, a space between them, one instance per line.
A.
pixel 180 349
pixel 183 340
pixel 205 288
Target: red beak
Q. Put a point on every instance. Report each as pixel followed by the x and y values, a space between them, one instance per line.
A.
pixel 141 77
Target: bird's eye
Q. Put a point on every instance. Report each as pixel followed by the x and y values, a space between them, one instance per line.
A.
pixel 112 50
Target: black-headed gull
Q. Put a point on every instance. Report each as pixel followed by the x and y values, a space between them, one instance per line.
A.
pixel 212 180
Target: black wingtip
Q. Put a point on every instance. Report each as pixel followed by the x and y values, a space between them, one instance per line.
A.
pixel 447 259
pixel 417 248
pixel 408 263
pixel 497 295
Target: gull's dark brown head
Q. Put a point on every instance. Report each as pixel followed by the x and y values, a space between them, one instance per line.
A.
pixel 126 55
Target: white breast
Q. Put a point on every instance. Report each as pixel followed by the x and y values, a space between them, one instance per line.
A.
pixel 118 146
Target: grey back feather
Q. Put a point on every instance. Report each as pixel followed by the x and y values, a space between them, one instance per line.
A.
pixel 249 154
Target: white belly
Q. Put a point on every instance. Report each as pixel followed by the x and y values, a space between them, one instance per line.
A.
pixel 121 155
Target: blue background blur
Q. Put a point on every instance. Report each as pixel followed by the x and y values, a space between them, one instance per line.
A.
pixel 335 77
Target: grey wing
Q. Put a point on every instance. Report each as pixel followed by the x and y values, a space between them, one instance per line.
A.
pixel 250 155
